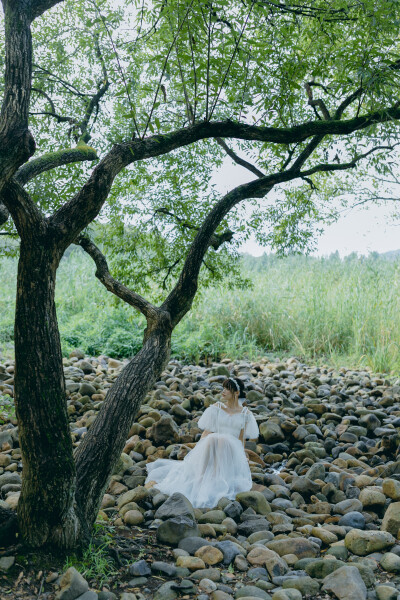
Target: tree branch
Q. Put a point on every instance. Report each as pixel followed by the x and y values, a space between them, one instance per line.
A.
pixel 68 86
pixel 180 299
pixel 238 160
pixel 314 103
pixel 51 160
pixel 114 286
pixel 76 214
pixel 24 212
pixel 330 167
pixel 4 214
pixel 38 7
pixel 16 141
pixel 216 240
pixel 102 88
pixel 328 14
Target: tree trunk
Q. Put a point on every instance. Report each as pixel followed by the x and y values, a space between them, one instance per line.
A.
pixel 47 513
pixel 101 448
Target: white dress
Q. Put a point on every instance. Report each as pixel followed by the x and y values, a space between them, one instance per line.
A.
pixel 216 467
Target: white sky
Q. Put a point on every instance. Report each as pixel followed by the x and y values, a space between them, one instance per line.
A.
pixel 362 230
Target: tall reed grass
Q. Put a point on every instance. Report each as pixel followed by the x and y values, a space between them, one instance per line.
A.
pixel 344 312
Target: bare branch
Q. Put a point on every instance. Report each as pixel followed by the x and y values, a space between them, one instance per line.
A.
pixel 231 59
pixel 58 118
pixel 314 103
pixel 330 167
pixel 170 268
pixel 68 86
pixel 165 66
pixel 238 160
pixel 306 153
pixel 121 71
pixel 43 93
pixel 216 239
pixel 322 14
pixel 112 285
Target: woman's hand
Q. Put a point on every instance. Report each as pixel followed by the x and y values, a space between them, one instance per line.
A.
pixel 205 433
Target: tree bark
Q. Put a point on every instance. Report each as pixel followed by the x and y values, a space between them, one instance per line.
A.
pixel 47 513
pixel 102 445
pixel 16 141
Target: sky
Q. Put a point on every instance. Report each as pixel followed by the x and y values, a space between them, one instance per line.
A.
pixel 362 230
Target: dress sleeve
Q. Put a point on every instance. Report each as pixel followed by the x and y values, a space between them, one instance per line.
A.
pixel 208 419
pixel 251 431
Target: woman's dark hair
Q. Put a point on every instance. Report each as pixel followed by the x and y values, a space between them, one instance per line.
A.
pixel 230 385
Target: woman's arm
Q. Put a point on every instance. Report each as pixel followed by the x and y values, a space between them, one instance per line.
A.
pixel 205 433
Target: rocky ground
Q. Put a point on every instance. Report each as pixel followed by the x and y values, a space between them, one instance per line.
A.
pixel 321 521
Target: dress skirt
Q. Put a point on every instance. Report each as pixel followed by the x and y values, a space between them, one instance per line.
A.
pixel 217 467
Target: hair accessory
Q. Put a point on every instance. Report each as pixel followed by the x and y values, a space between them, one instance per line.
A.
pixel 235 383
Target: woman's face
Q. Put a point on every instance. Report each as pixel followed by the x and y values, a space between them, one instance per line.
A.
pixel 227 394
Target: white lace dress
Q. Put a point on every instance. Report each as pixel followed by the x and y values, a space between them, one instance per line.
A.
pixel 216 467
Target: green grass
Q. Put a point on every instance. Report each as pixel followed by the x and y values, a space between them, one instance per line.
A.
pixel 95 562
pixel 343 312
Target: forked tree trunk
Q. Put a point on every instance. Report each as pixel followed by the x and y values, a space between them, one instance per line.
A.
pixel 102 446
pixel 46 509
pixel 59 503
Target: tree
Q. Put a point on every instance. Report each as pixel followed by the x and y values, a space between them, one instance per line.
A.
pixel 194 71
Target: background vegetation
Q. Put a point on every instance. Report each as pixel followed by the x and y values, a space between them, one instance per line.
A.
pixel 345 312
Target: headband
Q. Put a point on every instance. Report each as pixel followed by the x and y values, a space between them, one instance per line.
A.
pixel 235 383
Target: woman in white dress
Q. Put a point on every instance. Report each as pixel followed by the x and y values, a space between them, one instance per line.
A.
pixel 217 466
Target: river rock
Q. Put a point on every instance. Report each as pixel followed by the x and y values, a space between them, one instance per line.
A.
pixel 287 594
pixel 139 568
pixel 192 543
pixel 391 488
pixel 230 550
pixel 264 557
pixel 209 555
pixel 172 531
pixel 254 500
pixel 352 519
pixel 346 584
pixel 177 505
pixel 163 431
pixel 301 547
pixel 321 568
pixel 251 591
pixel 193 563
pixel 72 585
pixel 372 496
pixel 386 592
pixel 271 432
pixel 391 519
pixel 390 562
pixel 306 585
pixel 365 542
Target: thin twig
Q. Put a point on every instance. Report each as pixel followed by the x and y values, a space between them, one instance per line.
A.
pixel 232 57
pixel 238 160
pixel 164 67
pixel 118 63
